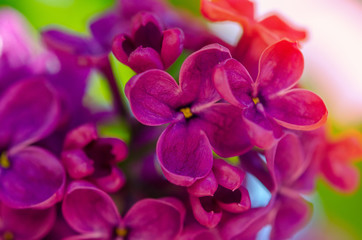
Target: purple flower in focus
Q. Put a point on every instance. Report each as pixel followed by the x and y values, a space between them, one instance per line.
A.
pixel 270 102
pixel 29 224
pixel 198 124
pixel 85 155
pixel 149 46
pixel 92 213
pixel 220 191
pixel 29 175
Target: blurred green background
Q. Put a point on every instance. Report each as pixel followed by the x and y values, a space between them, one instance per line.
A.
pixel 339 212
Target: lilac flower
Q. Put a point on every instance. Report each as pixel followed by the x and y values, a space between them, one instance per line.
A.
pixel 197 123
pixel 220 191
pixel 88 156
pixel 149 46
pixel 29 175
pixel 270 102
pixel 92 213
pixel 30 224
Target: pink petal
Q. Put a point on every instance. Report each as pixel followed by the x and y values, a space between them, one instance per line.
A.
pixel 280 67
pixel 297 109
pixel 172 46
pixel 196 73
pixel 35 178
pixel 143 59
pixel 122 47
pixel 112 182
pixel 88 209
pixel 184 153
pixel 155 217
pixel 206 186
pixel 206 211
pixel 153 96
pixel 227 175
pixel 225 129
pixel 233 82
pixel 227 200
pixel 80 137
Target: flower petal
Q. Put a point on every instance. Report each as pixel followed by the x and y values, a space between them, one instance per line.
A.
pixel 122 47
pixel 227 175
pixel 29 111
pixel 206 186
pixel 225 129
pixel 235 201
pixel 34 178
pixel 88 209
pixel 233 82
pixel 153 96
pixel 155 217
pixel 172 46
pixel 293 214
pixel 112 182
pixel 196 73
pixel 143 59
pixel 297 109
pixel 206 211
pixel 280 67
pixel 184 153
pixel 80 137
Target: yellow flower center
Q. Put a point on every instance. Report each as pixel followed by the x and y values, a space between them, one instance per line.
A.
pixel 121 232
pixel 4 161
pixel 187 112
pixel 8 236
pixel 256 100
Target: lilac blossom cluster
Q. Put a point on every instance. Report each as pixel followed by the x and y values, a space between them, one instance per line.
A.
pixel 234 114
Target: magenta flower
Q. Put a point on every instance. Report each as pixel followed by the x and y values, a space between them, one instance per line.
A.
pixel 87 156
pixel 92 213
pixel 197 123
pixel 29 175
pixel 149 46
pixel 30 224
pixel 270 101
pixel 220 191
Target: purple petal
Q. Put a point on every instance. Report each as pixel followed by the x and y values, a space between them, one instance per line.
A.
pixel 204 187
pixel 143 59
pixel 298 109
pixel 225 129
pixel 89 210
pixel 147 31
pixel 235 201
pixel 118 150
pixel 29 110
pixel 206 211
pixel 293 214
pixel 80 137
pixel 29 223
pixel 197 70
pixel 111 182
pixel 153 96
pixel 227 175
pixel 234 83
pixel 184 153
pixel 262 131
pixel 155 217
pixel 280 67
pixel 34 178
pixel 77 164
pixel 172 46
pixel 122 47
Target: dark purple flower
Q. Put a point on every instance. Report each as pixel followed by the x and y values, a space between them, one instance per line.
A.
pixel 270 102
pixel 93 214
pixel 198 124
pixel 220 191
pixel 29 175
pixel 149 46
pixel 85 155
pixel 30 224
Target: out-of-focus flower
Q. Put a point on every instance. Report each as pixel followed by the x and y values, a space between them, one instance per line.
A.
pixel 198 123
pixel 92 213
pixel 88 156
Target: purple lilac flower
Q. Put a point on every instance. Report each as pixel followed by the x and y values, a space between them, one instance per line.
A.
pixel 270 102
pixel 220 191
pixel 29 224
pixel 29 175
pixel 87 156
pixel 198 123
pixel 149 46
pixel 92 213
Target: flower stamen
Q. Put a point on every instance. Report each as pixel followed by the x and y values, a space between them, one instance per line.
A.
pixel 256 100
pixel 8 236
pixel 121 232
pixel 4 161
pixel 187 112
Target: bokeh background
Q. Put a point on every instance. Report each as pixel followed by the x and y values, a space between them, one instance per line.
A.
pixel 333 58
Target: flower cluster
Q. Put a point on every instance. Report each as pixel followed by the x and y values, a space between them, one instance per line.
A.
pixel 233 114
